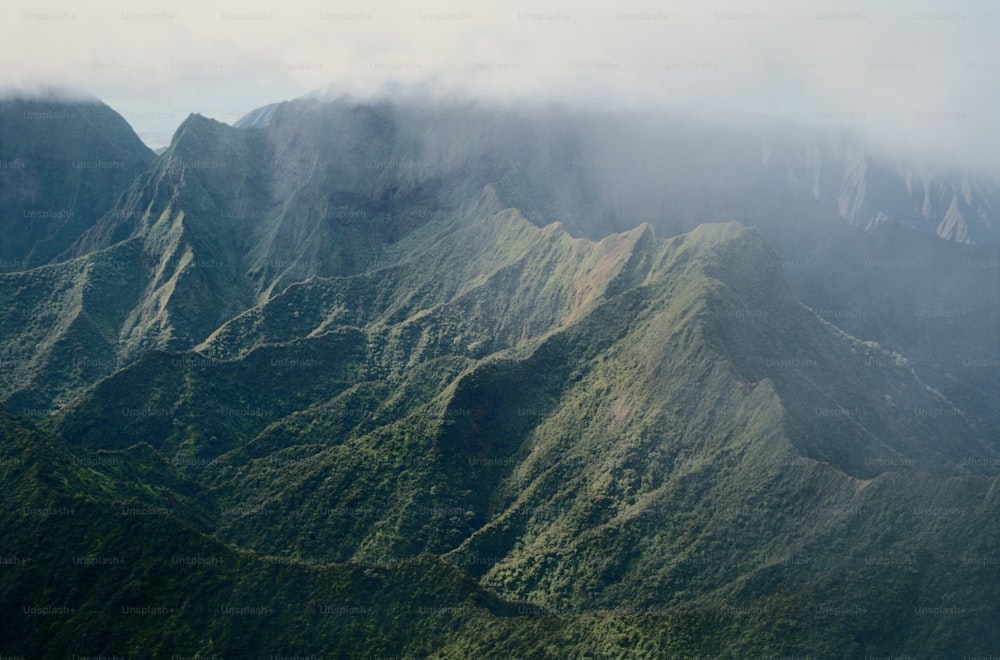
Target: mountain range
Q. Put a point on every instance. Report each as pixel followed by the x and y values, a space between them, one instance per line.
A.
pixel 412 378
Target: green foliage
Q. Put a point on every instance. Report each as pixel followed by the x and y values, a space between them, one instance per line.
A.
pixel 449 432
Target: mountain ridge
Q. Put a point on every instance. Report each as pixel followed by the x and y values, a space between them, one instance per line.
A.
pixel 584 425
pixel 402 397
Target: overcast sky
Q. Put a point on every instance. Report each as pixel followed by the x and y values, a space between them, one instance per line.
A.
pixel 920 75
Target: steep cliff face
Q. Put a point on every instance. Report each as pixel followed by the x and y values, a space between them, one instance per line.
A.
pixel 868 189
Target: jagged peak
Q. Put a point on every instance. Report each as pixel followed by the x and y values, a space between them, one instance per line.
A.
pixel 195 129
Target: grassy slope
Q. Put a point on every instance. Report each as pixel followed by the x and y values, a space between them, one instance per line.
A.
pixel 117 551
pixel 61 326
pixel 639 454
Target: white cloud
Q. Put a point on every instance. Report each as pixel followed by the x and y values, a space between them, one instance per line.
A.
pixel 921 75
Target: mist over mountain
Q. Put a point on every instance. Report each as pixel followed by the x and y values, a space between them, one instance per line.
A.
pixel 449 379
pixel 626 167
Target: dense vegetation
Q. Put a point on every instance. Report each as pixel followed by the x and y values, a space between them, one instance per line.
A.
pixel 297 408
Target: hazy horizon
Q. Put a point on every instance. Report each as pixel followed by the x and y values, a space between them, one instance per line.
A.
pixel 920 80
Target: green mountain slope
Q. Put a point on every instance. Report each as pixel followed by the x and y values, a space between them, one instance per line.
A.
pixel 62 166
pixel 230 217
pixel 375 411
pixel 130 575
pixel 61 325
pixel 222 221
pixel 671 437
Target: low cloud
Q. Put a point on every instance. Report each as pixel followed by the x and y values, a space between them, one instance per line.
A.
pixel 921 77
